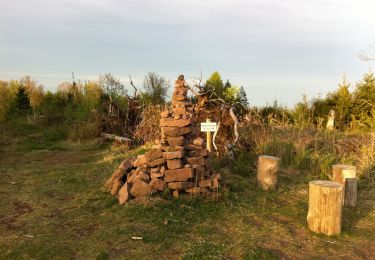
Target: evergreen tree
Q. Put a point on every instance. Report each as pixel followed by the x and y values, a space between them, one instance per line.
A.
pixel 242 97
pixel 22 101
pixel 231 95
pixel 364 100
pixel 215 84
pixel 303 113
pixel 343 103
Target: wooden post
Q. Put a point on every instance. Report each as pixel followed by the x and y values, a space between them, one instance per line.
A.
pixel 331 120
pixel 341 173
pixel 325 207
pixel 267 171
pixel 350 199
pixel 209 139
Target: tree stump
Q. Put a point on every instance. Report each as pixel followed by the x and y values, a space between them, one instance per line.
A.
pixel 325 207
pixel 267 171
pixel 350 199
pixel 341 173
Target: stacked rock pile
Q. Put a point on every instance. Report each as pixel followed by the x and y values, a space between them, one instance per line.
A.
pixel 178 162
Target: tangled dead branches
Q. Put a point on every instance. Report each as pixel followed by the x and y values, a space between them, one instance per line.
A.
pixel 148 128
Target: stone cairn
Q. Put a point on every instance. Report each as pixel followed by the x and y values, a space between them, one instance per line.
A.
pixel 179 161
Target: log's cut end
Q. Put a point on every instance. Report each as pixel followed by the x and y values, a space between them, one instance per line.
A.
pixel 325 207
pixel 268 167
pixel 327 184
pixel 268 157
pixel 341 173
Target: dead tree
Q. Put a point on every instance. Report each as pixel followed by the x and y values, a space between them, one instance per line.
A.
pixel 209 105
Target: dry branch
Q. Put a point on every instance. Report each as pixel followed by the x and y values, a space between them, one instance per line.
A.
pixel 120 139
pixel 235 122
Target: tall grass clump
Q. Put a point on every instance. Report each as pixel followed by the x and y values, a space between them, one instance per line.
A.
pixel 309 150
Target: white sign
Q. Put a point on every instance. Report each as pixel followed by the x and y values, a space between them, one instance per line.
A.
pixel 208 127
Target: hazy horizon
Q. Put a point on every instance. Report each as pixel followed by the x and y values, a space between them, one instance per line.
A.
pixel 276 50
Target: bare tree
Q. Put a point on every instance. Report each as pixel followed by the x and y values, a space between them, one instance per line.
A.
pixel 111 85
pixel 155 89
pixel 113 88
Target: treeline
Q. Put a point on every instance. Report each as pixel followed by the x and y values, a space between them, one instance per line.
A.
pixel 83 110
pixel 353 106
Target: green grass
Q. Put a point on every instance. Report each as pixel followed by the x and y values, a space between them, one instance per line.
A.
pixel 53 207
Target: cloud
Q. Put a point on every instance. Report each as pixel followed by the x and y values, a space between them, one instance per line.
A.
pixel 291 39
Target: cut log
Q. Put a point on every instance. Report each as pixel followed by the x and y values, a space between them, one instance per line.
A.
pixel 117 138
pixel 342 172
pixel 267 171
pixel 325 207
pixel 350 199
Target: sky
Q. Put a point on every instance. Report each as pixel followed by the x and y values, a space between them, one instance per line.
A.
pixel 276 50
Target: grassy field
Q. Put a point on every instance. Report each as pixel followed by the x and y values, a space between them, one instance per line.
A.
pixel 52 205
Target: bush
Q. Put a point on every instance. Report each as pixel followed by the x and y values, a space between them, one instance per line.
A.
pixel 148 129
pixel 282 149
pixel 84 130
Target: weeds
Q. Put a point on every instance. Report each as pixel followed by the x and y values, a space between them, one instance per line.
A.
pixel 310 150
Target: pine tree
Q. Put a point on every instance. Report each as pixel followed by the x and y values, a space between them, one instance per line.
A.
pixel 343 103
pixel 22 101
pixel 216 85
pixel 242 97
pixel 364 100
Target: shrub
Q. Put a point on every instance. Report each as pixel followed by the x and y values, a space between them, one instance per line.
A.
pixel 84 130
pixel 282 149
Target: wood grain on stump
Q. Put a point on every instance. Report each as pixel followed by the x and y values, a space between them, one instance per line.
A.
pixel 267 171
pixel 325 207
pixel 341 173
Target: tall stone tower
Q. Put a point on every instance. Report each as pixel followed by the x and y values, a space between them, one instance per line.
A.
pixel 179 162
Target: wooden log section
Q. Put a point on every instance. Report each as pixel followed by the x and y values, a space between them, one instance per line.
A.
pixel 350 198
pixel 267 171
pixel 341 173
pixel 325 207
pixel 119 139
